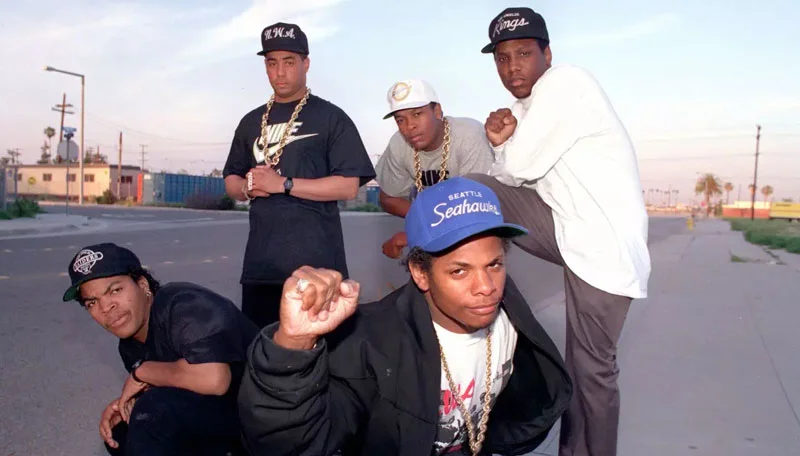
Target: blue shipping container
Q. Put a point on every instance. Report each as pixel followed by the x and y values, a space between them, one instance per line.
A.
pixel 177 188
pixel 373 195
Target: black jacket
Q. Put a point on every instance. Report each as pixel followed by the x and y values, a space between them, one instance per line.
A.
pixel 372 387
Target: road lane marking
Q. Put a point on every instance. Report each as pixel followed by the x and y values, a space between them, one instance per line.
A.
pixel 2 277
pixel 9 250
pixel 222 257
pixel 48 249
pixel 62 274
pixel 166 262
pixel 208 260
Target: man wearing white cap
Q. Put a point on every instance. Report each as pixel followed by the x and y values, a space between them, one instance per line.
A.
pixel 428 147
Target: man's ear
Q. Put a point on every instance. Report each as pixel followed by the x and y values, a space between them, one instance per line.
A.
pixel 420 277
pixel 143 284
pixel 437 111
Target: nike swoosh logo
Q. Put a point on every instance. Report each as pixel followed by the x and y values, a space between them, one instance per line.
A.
pixel 274 148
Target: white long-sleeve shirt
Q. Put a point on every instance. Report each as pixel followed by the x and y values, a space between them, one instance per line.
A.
pixel 571 147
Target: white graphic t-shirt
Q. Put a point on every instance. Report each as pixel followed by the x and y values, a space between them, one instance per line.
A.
pixel 466 358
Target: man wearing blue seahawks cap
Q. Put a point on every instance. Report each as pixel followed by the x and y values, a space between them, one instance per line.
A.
pixel 453 362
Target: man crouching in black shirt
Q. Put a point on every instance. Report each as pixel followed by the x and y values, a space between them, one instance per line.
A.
pixel 293 158
pixel 184 346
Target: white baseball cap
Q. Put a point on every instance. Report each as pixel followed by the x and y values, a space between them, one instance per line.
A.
pixel 408 94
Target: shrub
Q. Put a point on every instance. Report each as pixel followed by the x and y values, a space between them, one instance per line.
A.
pixel 108 197
pixel 210 201
pixel 366 208
pixel 24 208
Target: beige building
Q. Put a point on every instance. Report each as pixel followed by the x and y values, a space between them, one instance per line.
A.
pixel 49 181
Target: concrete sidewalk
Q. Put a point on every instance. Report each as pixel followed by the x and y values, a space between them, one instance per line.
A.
pixel 49 224
pixel 709 361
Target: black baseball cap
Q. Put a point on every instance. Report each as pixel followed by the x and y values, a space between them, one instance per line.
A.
pixel 283 37
pixel 516 24
pixel 99 261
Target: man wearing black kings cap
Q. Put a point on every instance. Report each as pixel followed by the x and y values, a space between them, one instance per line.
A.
pixel 184 347
pixel 566 169
pixel 293 158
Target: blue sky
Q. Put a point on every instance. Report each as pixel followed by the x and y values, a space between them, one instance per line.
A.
pixel 690 80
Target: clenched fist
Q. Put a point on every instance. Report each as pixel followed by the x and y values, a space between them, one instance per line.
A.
pixel 314 303
pixel 393 248
pixel 500 126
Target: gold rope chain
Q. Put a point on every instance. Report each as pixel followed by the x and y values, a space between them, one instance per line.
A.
pixel 445 155
pixel 263 140
pixel 475 442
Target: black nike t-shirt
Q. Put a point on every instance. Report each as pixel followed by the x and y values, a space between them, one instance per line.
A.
pixel 191 322
pixel 288 232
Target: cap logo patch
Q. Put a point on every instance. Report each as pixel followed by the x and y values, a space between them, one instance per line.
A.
pixel 509 22
pixel 86 260
pixel 444 211
pixel 278 32
pixel 401 91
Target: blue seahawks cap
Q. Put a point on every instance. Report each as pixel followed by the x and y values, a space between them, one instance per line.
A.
pixel 447 213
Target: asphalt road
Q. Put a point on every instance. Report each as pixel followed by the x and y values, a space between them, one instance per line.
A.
pixel 58 369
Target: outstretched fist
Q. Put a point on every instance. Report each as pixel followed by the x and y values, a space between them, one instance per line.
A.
pixel 314 303
pixel 500 126
pixel 393 248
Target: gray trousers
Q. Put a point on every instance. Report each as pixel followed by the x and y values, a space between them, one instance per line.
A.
pixel 594 322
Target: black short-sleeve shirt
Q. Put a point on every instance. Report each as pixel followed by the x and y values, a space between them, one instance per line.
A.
pixel 191 322
pixel 288 232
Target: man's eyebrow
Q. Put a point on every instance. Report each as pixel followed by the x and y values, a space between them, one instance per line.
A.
pixel 116 282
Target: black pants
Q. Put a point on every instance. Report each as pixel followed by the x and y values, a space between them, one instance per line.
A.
pixel 262 303
pixel 178 422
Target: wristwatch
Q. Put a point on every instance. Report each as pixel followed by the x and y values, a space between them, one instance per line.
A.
pixel 133 370
pixel 287 185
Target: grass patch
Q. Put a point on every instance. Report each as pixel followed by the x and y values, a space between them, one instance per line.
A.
pixel 775 234
pixel 21 208
pixel 365 208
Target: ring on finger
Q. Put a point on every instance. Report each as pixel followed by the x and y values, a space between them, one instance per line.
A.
pixel 302 284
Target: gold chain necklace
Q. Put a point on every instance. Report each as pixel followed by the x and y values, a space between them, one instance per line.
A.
pixel 445 155
pixel 263 140
pixel 475 441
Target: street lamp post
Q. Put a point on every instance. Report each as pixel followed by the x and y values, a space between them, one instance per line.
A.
pixel 83 114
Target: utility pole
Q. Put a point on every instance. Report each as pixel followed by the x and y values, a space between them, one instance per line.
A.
pixel 62 108
pixel 755 177
pixel 143 152
pixel 119 167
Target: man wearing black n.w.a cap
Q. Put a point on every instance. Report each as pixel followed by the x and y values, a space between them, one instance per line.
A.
pixel 566 169
pixel 184 347
pixel 293 159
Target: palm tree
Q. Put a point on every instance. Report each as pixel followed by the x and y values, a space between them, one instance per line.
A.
pixel 728 190
pixel 709 185
pixel 766 190
pixel 50 132
pixel 752 189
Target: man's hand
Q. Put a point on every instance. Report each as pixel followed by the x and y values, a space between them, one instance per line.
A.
pixel 266 181
pixel 130 389
pixel 111 417
pixel 314 303
pixel 393 248
pixel 500 126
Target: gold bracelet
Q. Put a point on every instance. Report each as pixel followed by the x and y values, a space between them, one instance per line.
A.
pixel 246 195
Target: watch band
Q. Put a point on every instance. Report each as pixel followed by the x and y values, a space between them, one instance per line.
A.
pixel 133 370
